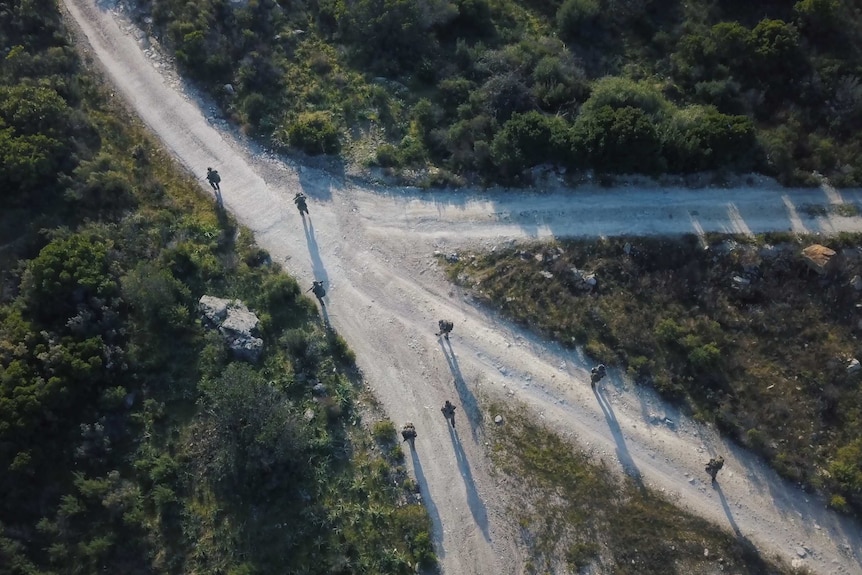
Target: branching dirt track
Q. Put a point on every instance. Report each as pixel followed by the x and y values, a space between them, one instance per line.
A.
pixel 373 248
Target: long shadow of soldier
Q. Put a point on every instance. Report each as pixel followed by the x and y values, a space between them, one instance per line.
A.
pixel 436 523
pixel 223 219
pixel 325 315
pixel 623 454
pixel 744 541
pixel 477 507
pixel 468 400
pixel 317 267
pixel 727 512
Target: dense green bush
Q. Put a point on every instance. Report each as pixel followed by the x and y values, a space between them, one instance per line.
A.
pixel 390 35
pixel 701 138
pixel 314 133
pixel 579 21
pixel 530 139
pixel 622 140
pixel 846 471
pixel 619 92
pixel 378 64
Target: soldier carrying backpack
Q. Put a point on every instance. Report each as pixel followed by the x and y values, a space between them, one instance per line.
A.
pixel 213 178
pixel 445 326
pixel 714 466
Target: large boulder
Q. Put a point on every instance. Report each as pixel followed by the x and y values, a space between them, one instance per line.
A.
pixel 236 323
pixel 819 258
pixel 214 309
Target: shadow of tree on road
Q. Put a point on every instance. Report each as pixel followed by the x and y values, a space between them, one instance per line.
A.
pixel 477 507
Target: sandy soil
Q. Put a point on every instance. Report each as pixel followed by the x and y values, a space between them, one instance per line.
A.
pixel 373 248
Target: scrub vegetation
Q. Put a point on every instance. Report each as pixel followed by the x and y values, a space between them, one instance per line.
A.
pixel 744 333
pixel 130 440
pixel 444 92
pixel 577 514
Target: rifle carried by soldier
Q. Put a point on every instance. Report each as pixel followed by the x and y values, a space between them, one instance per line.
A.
pixel 318 290
pixel 714 466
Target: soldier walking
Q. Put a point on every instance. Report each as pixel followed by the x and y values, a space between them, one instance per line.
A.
pixel 449 412
pixel 300 200
pixel 714 466
pixel 213 178
pixel 596 374
pixel 318 290
pixel 445 328
pixel 408 432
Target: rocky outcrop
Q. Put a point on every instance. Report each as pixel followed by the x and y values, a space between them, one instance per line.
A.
pixel 236 323
pixel 819 258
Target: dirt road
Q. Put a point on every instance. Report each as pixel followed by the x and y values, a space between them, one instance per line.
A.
pixel 374 248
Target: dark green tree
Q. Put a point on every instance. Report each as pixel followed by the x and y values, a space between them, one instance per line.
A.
pixel 622 140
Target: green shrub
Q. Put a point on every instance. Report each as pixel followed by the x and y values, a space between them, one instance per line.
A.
pixel 838 503
pixel 384 431
pixel 618 92
pixel 846 469
pixel 704 357
pixel 599 351
pixel 577 20
pixel 530 139
pixel 618 140
pixel 639 366
pixel 669 331
pixel 387 156
pixel 314 133
pixel 701 138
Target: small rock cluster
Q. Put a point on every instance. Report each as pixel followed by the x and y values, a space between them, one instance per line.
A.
pixel 236 323
pixel 584 281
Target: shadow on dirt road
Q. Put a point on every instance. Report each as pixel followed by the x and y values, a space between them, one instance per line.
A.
pixel 477 507
pixel 625 458
pixel 468 400
pixel 436 523
pixel 317 267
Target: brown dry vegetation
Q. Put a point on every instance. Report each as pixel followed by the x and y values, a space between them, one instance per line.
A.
pixel 767 363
